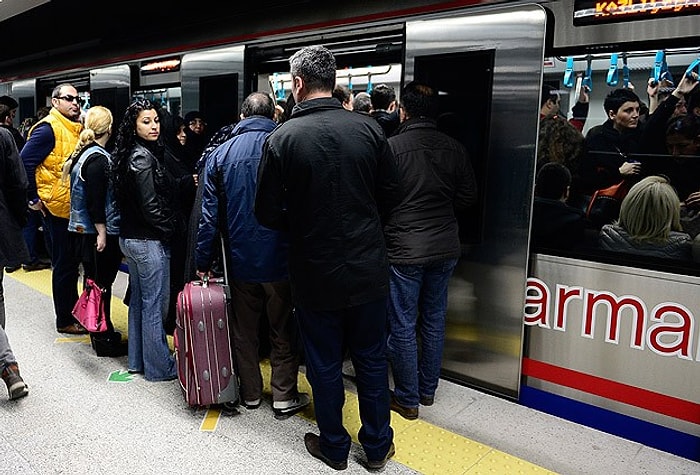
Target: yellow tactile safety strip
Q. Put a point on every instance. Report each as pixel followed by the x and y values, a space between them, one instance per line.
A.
pixel 420 446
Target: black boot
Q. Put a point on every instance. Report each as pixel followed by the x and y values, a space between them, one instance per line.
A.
pixel 109 344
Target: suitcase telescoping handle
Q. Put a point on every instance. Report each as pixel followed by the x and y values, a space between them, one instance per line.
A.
pixel 205 278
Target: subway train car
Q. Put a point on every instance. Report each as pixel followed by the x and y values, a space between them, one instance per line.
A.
pixel 607 340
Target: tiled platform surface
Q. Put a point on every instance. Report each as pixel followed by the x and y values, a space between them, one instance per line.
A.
pixel 78 420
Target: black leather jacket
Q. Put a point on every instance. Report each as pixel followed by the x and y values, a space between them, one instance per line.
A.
pixel 147 206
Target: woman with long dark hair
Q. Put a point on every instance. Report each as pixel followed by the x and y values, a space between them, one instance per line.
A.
pixel 145 196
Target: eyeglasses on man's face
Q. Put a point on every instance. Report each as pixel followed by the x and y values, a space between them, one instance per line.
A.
pixel 69 98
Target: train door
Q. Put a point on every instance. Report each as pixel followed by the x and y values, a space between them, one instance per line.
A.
pixel 488 69
pixel 111 88
pixel 212 83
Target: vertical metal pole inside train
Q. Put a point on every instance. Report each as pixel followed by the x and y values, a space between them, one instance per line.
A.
pixel 488 69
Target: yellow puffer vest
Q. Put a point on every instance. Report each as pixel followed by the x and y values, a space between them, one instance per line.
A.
pixel 49 184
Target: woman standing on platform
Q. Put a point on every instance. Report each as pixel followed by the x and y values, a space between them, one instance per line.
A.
pixel 94 220
pixel 145 196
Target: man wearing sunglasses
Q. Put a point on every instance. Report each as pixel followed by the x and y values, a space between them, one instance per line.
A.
pixel 49 144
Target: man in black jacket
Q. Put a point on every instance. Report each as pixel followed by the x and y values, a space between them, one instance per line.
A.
pixel 422 238
pixel 327 177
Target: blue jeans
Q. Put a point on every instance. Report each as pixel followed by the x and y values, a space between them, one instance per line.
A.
pixel 417 289
pixel 149 281
pixel 325 334
pixel 65 273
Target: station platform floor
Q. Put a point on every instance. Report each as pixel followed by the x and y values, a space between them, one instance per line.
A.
pixel 87 415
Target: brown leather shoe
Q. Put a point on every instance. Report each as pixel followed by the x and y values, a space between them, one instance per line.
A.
pixel 313 445
pixel 410 413
pixel 73 329
pixel 378 465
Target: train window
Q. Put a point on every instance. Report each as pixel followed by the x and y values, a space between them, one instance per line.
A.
pixel 652 146
pixel 464 113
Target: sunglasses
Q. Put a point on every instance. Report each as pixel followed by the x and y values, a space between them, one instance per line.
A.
pixel 69 98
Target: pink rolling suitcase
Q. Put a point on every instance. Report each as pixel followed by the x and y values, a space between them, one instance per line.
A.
pixel 202 344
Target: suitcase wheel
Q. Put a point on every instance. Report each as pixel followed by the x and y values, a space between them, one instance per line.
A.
pixel 220 323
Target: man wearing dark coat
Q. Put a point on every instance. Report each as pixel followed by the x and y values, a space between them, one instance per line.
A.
pixel 328 177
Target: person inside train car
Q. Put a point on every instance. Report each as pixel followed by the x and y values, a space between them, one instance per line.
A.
pixel 683 144
pixel 384 108
pixel 422 239
pixel 560 142
pixel 257 259
pixel 609 147
pixel 93 224
pixel 145 195
pixel 49 144
pixel 550 106
pixel 555 224
pixel 344 95
pixel 649 223
pixel 362 103
pixel 330 188
pixel 197 136
pixel 673 104
pixel 174 139
pixel 13 249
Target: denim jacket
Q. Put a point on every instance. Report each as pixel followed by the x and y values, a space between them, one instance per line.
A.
pixel 79 220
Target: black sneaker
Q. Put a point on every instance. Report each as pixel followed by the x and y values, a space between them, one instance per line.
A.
pixel 313 446
pixel 16 387
pixel 284 409
pixel 378 465
pixel 11 269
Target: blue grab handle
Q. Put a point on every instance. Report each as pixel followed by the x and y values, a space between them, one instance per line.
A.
pixel 625 72
pixel 569 73
pixel 613 74
pixel 694 67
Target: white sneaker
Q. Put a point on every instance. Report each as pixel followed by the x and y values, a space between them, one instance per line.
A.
pixel 287 408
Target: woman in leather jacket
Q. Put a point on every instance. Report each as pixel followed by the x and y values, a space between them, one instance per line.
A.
pixel 145 195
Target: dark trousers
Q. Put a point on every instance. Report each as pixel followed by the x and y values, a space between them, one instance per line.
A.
pixel 363 331
pixel 252 301
pixel 32 235
pixel 64 277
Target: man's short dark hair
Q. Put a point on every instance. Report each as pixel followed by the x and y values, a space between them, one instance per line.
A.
pixel 617 97
pixel 316 66
pixel 548 93
pixel 382 96
pixel 419 100
pixel 258 103
pixel 342 93
pixel 552 181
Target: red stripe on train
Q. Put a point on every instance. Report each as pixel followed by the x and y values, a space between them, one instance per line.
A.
pixel 632 395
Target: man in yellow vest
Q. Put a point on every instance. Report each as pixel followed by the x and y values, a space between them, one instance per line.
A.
pixel 49 144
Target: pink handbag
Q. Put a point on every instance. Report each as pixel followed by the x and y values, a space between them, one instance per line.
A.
pixel 89 310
